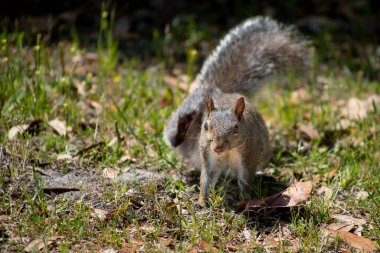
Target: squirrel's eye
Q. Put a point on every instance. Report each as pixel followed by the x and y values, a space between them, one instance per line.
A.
pixel 205 126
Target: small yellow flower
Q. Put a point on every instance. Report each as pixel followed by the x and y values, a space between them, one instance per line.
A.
pixel 38 72
pixel 89 75
pixel 116 79
pixel 63 80
pixel 104 14
pixel 193 53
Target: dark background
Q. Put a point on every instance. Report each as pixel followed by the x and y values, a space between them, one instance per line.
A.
pixel 347 31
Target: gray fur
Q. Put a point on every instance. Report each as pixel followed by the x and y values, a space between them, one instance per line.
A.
pixel 250 52
pixel 226 140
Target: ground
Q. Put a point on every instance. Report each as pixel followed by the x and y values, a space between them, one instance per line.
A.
pixel 84 166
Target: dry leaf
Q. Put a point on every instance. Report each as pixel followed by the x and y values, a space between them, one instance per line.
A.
pixel 309 132
pixel 17 129
pixel 299 95
pixel 295 246
pixel 100 214
pixel 355 108
pixel 95 104
pixel 341 226
pixel 295 195
pixel 247 235
pixel 165 241
pixel 38 244
pixel 64 157
pixel 80 86
pixel 271 243
pixel 112 142
pixel 207 247
pixel 343 124
pixel 327 192
pixel 362 195
pixel 125 158
pixel 32 127
pixel 232 248
pixel 110 250
pixel 194 249
pixel 332 173
pixel 348 219
pixel 18 239
pixel 110 173
pixel 355 241
pixel 358 231
pixel 59 126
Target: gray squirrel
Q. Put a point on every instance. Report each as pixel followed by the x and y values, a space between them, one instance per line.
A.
pixel 214 127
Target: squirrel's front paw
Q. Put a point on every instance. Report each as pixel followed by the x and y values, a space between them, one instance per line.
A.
pixel 202 202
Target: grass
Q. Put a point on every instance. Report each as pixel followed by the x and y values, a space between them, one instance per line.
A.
pixel 101 99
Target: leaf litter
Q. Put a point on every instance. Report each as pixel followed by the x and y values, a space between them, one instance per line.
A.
pixel 39 244
pixel 32 128
pixel 294 196
pixel 353 240
pixel 59 126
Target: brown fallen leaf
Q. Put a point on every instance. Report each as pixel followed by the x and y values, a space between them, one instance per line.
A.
pixel 355 108
pixel 232 248
pixel 343 124
pixel 110 173
pixel 271 243
pixel 308 132
pixel 165 241
pixel 64 157
pixel 332 173
pixel 326 192
pixel 134 246
pixel 112 142
pixel 341 226
pixel 126 158
pixel 300 95
pixel 355 241
pixel 17 129
pixel 38 244
pixel 295 195
pixel 31 128
pixel 59 126
pixel 295 245
pixel 348 219
pixel 96 105
pixel 207 247
pixel 100 214
pixel 194 249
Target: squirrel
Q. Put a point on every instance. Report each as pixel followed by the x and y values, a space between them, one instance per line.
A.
pixel 214 127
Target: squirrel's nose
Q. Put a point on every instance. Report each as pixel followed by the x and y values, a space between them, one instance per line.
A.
pixel 218 149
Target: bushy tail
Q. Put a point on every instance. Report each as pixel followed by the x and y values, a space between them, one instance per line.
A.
pixel 252 51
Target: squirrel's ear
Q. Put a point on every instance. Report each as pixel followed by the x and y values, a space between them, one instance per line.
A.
pixel 239 109
pixel 210 106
